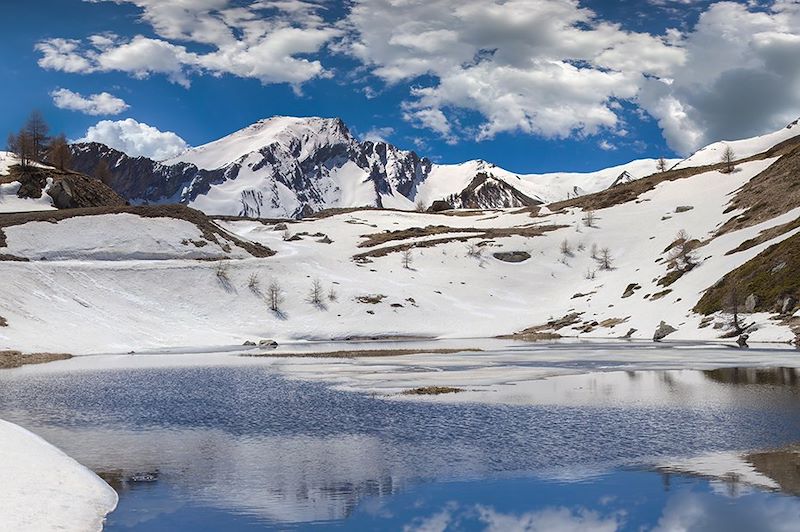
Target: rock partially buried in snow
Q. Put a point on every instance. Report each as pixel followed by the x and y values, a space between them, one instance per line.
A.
pixel 662 331
pixel 267 344
pixel 440 206
pixel 742 340
pixel 788 305
pixel 750 303
pixel 512 256
pixel 249 343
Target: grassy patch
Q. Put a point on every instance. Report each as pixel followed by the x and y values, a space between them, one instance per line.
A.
pixel 432 390
pixel 770 275
pixel 766 235
pixel 15 359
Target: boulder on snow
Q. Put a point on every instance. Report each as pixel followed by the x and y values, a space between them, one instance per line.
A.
pixel 280 227
pixel 788 305
pixel 683 208
pixel 249 343
pixel 631 288
pixel 662 331
pixel 267 344
pixel 742 340
pixel 629 334
pixel 439 206
pixel 512 256
pixel 750 303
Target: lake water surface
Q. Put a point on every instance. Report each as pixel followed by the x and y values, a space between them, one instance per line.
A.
pixel 244 448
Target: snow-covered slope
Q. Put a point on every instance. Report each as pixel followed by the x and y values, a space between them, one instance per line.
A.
pixel 106 301
pixel 742 149
pixel 9 201
pixel 44 489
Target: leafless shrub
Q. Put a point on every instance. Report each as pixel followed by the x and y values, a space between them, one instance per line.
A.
pixel 315 294
pixel 274 296
pixel 332 295
pixel 407 258
pixel 589 218
pixel 254 283
pixel 419 206
pixel 728 159
pixel 590 274
pixel 566 249
pixel 605 261
pixel 661 165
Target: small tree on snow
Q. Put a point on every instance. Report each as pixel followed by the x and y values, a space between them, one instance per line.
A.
pixel 728 160
pixel 681 255
pixel 315 295
pixel 332 295
pixel 589 218
pixel 604 260
pixel 419 206
pixel 274 296
pixel 407 258
pixel 661 165
pixel 595 253
pixel 254 283
pixel 565 248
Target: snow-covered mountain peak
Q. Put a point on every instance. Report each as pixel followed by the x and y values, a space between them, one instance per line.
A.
pixel 300 136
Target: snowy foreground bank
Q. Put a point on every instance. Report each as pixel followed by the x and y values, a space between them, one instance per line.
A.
pixel 43 489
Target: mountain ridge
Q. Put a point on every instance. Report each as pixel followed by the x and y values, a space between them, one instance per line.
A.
pixel 288 166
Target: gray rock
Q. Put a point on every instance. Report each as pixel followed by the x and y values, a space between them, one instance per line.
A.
pixel 629 334
pixel 439 206
pixel 267 344
pixel 788 305
pixel 750 303
pixel 280 227
pixel 742 340
pixel 249 343
pixel 512 256
pixel 662 331
pixel 683 208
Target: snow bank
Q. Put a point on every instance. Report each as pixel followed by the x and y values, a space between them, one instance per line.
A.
pixel 113 237
pixel 41 488
pixel 712 153
pixel 10 202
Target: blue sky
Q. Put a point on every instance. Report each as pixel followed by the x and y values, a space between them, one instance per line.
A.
pixel 532 85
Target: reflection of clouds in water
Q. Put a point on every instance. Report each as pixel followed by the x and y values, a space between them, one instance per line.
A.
pixel 283 479
pixel 550 519
pixel 558 519
pixel 692 511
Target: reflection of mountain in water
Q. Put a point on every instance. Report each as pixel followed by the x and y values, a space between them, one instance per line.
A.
pixel 782 466
pixel 773 376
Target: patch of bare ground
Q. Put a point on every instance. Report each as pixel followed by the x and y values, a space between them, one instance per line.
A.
pixel 372 299
pixel 631 191
pixel 69 189
pixel 210 231
pixel 483 234
pixel 773 192
pixel 771 276
pixel 432 390
pixel 765 236
pixel 16 359
pixel 545 331
pixel 3 322
pixel 361 353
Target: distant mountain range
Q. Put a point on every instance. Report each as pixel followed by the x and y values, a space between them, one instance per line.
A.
pixel 291 167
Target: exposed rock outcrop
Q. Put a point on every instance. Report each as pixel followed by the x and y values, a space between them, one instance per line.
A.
pixel 662 331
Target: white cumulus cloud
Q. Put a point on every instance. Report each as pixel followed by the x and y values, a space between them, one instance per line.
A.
pixel 94 104
pixel 547 67
pixel 136 139
pixel 265 40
